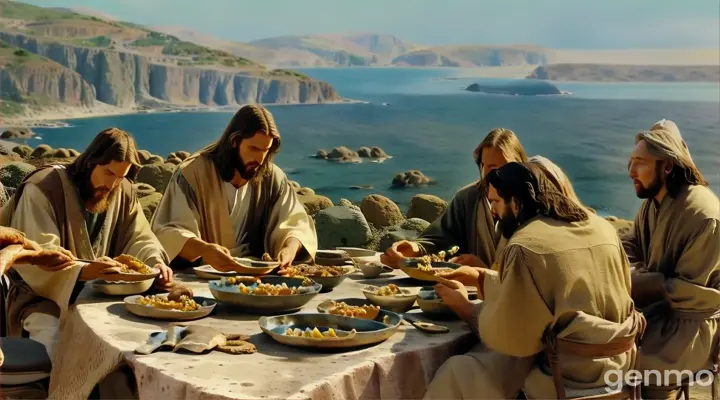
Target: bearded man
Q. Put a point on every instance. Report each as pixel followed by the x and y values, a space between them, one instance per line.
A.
pixel 562 278
pixel 90 208
pixel 230 200
pixel 675 249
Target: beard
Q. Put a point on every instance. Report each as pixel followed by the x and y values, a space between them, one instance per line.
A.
pixel 246 171
pixel 650 191
pixel 96 200
pixel 508 224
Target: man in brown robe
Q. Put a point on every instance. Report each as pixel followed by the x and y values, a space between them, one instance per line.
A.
pixel 90 208
pixel 230 200
pixel 468 221
pixel 675 249
pixel 563 276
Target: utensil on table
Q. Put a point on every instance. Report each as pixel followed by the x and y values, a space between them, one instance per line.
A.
pixel 428 327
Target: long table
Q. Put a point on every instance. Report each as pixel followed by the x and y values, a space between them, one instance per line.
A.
pixel 99 335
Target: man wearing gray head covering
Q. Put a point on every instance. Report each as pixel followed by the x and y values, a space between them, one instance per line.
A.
pixel 675 247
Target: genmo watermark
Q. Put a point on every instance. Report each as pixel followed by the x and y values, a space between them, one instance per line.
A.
pixel 616 380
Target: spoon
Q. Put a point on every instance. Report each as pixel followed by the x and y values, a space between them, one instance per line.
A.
pixel 424 326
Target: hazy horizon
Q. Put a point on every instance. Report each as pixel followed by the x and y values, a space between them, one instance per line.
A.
pixel 559 24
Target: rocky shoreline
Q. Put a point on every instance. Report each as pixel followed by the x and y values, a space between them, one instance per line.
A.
pixel 374 223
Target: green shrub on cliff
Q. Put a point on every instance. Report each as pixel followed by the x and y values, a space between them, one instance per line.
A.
pixel 9 107
pixel 97 41
pixel 287 72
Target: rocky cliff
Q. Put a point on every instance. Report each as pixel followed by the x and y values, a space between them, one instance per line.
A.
pixel 474 56
pixel 125 79
pixel 627 73
pixel 42 82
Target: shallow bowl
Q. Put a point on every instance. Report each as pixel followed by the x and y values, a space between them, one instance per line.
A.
pixel 265 304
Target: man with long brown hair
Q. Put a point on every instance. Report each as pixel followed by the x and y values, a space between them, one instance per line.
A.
pixel 675 249
pixel 230 200
pixel 563 277
pixel 468 221
pixel 89 208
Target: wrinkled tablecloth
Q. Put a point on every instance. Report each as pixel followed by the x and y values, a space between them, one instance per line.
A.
pixel 99 335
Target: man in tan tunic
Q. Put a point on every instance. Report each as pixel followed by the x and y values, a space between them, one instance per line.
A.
pixel 675 249
pixel 563 275
pixel 230 200
pixel 468 221
pixel 88 207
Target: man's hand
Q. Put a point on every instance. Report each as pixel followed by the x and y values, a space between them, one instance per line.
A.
pixel 468 276
pixel 219 258
pixel 45 259
pixel 103 267
pixel 468 259
pixel 398 252
pixel 164 281
pixel 456 297
pixel 289 251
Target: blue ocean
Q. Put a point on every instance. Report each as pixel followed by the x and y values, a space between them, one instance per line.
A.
pixel 426 121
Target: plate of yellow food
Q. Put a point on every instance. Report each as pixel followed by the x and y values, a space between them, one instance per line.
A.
pixel 271 294
pixel 178 305
pixel 430 267
pixel 328 276
pixel 133 270
pixel 326 331
pixel 390 297
pixel 248 267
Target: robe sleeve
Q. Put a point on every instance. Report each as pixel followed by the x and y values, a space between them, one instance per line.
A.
pixel 288 219
pixel 514 318
pixel 691 287
pixel 142 243
pixel 33 215
pixel 446 231
pixel 631 243
pixel 174 221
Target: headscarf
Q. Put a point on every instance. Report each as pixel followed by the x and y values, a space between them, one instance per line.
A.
pixel 667 142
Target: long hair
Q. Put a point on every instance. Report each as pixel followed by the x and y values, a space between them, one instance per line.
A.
pixel 112 144
pixel 679 175
pixel 506 141
pixel 534 193
pixel 248 121
pixel 558 179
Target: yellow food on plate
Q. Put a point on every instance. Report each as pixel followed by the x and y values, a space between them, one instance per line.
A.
pixel 313 271
pixel 314 333
pixel 362 312
pixel 185 303
pixel 389 290
pixel 132 265
pixel 236 280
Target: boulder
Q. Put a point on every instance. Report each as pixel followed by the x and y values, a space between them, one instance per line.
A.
pixel 342 154
pixel 410 178
pixel 181 155
pixel 427 207
pixel 377 152
pixel 174 160
pixel 150 203
pixel 156 175
pixel 396 235
pixel 155 160
pixel 322 154
pixel 41 151
pixel 345 203
pixel 364 152
pixel 17 133
pixel 314 203
pixel 60 153
pixel 415 224
pixel 12 174
pixel 381 211
pixel 622 226
pixel 341 226
pixel 74 153
pixel 306 191
pixel 23 150
pixel 144 156
pixel 3 195
pixel 143 189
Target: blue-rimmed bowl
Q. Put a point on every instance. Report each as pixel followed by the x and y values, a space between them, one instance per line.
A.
pixel 230 294
pixel 367 332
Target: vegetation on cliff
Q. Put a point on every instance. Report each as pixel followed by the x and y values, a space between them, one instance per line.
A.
pixel 627 73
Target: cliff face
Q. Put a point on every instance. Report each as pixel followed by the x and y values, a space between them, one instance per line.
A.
pixel 124 79
pixel 474 56
pixel 627 73
pixel 44 82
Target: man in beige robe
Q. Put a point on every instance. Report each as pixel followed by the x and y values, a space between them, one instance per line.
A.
pixel 563 276
pixel 468 221
pixel 230 200
pixel 88 207
pixel 676 238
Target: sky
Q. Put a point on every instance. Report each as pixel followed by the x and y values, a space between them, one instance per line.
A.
pixel 569 24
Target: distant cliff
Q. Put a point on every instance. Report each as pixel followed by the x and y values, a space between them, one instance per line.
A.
pixel 627 73
pixel 124 79
pixel 474 56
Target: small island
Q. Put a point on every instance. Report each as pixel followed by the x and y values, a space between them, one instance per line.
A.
pixel 516 88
